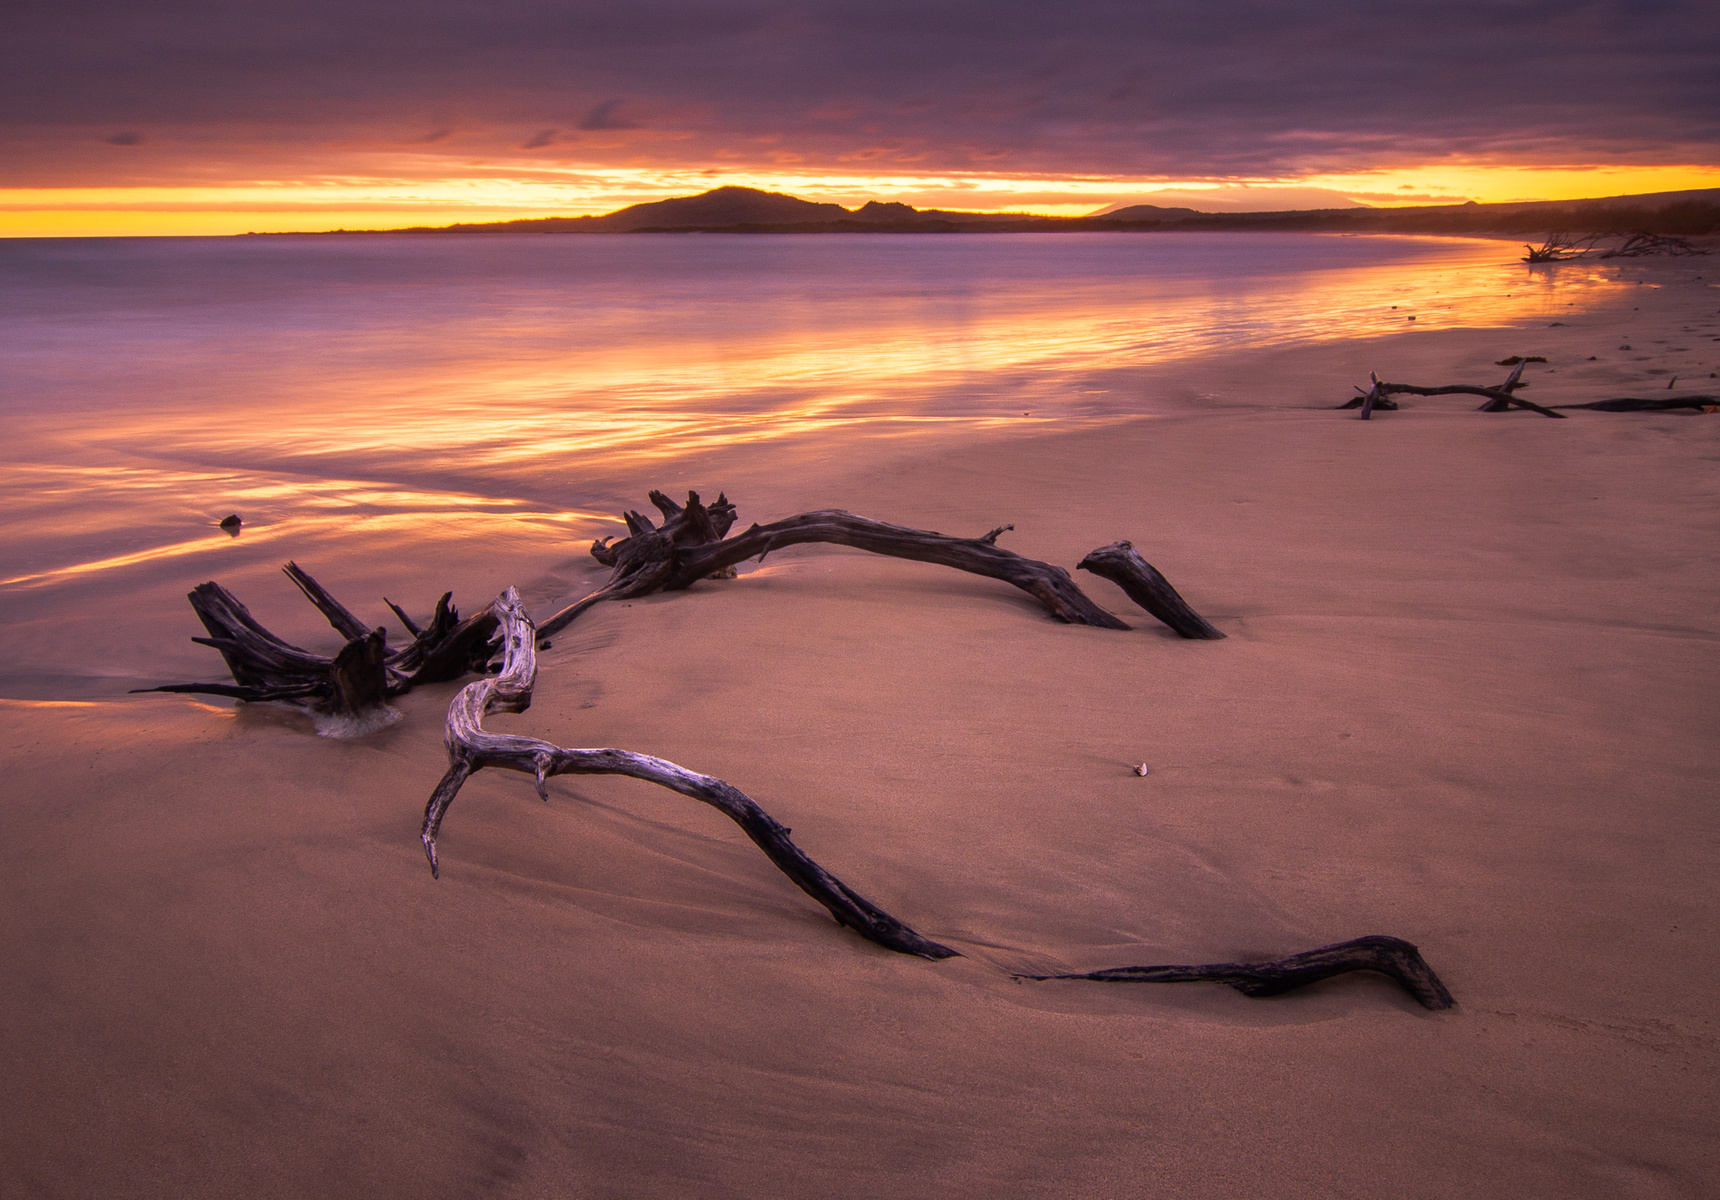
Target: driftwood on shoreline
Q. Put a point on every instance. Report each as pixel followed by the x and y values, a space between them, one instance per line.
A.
pixel 360 678
pixel 1499 399
pixel 1388 955
pixel 692 545
pixel 471 748
pixel 1503 397
pixel 1657 404
pixel 1564 247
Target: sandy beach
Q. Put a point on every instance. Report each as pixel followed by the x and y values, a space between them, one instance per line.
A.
pixel 1467 698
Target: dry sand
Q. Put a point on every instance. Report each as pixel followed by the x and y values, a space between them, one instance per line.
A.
pixel 1467 698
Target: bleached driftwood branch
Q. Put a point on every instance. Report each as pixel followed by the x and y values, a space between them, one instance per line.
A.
pixel 471 749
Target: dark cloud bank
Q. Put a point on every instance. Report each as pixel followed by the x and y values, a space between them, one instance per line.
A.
pixel 1266 89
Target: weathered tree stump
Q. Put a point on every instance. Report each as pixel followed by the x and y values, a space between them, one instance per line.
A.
pixel 360 678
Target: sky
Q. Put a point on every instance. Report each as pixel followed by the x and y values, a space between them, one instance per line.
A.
pixel 212 116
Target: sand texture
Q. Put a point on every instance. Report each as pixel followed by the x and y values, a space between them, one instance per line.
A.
pixel 1467 698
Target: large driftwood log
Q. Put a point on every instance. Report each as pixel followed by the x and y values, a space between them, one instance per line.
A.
pixel 1499 399
pixel 1388 955
pixel 471 749
pixel 692 545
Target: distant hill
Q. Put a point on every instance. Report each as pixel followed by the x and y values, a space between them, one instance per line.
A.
pixel 1148 212
pixel 749 210
pixel 721 206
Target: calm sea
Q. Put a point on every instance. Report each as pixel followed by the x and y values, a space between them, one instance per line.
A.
pixel 398 411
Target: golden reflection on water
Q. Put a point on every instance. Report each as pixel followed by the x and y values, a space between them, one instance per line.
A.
pixel 493 394
pixel 521 395
pixel 61 502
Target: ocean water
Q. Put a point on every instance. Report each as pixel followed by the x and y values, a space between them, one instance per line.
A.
pixel 419 413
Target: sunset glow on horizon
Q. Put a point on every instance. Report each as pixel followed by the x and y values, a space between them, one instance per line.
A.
pixel 378 203
pixel 196 118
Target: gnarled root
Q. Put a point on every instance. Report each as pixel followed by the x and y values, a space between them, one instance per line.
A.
pixel 359 679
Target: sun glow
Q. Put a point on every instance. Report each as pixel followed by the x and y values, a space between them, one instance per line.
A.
pixel 496 193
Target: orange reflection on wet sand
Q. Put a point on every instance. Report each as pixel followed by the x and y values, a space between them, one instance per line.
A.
pixel 63 510
pixel 518 393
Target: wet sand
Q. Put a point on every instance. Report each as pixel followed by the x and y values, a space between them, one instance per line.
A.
pixel 1467 698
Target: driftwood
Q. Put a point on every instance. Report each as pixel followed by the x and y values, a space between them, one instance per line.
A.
pixel 360 678
pixel 1502 397
pixel 689 546
pixel 1636 404
pixel 693 545
pixel 471 748
pixel 1499 399
pixel 1387 955
pixel 1122 565
pixel 1644 245
pixel 1562 247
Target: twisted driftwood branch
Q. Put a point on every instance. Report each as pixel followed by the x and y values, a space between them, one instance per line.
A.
pixel 1499 399
pixel 471 749
pixel 693 545
pixel 1387 955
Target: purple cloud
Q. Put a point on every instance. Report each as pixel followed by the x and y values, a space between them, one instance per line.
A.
pixel 1135 87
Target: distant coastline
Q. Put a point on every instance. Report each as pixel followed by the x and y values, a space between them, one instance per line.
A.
pixel 748 210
